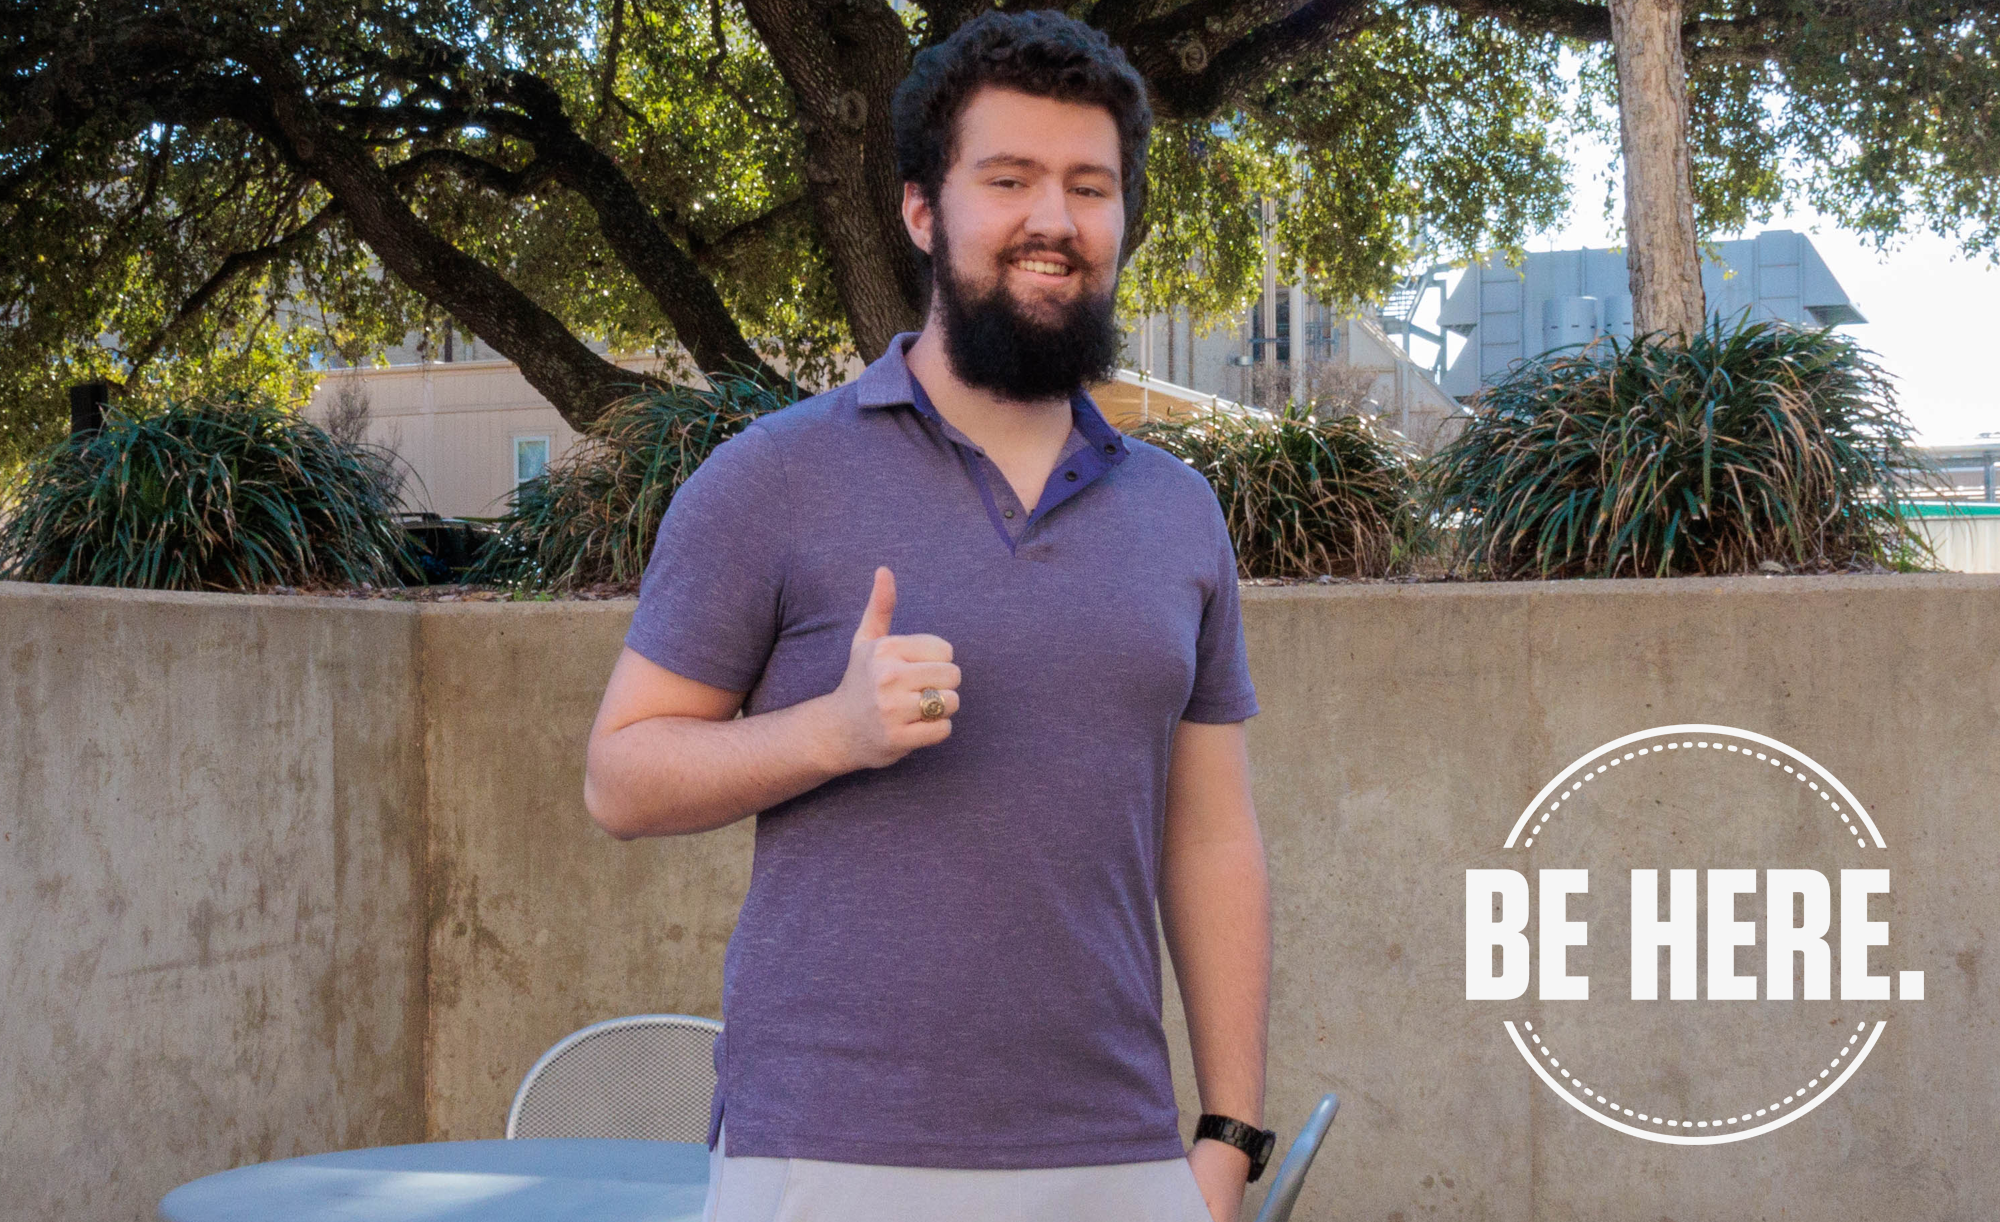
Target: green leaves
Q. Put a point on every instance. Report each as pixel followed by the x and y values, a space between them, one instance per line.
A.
pixel 1752 443
pixel 1429 132
pixel 1881 115
pixel 591 517
pixel 203 496
pixel 1894 113
pixel 1204 249
pixel 1303 496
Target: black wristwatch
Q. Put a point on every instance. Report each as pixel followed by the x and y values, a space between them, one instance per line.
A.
pixel 1257 1143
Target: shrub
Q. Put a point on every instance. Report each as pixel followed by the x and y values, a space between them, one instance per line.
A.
pixel 203 495
pixel 1752 444
pixel 1304 496
pixel 590 518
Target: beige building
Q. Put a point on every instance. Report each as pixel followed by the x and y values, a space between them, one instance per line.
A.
pixel 468 431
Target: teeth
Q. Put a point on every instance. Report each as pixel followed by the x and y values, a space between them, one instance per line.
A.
pixel 1038 265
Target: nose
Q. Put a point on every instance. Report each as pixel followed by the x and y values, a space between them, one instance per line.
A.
pixel 1049 217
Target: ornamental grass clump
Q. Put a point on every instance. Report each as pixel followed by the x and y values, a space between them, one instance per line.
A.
pixel 1751 447
pixel 590 518
pixel 203 495
pixel 1304 496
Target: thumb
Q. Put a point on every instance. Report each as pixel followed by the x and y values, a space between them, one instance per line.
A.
pixel 881 606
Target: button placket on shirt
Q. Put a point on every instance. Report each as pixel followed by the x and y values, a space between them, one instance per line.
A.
pixel 987 477
pixel 1077 464
pixel 1018 516
pixel 1011 510
pixel 1015 518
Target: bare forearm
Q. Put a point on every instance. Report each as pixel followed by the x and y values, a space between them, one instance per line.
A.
pixel 667 776
pixel 1215 907
pixel 667 758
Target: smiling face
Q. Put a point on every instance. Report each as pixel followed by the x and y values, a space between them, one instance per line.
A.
pixel 1024 276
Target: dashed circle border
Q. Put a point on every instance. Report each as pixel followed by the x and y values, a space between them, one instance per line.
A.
pixel 1701 1139
pixel 1694 736
pixel 1698 732
pixel 1694 744
pixel 1611 1105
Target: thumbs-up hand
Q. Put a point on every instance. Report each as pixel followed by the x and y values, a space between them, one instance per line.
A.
pixel 879 699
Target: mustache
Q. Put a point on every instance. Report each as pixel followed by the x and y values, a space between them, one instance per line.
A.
pixel 1067 251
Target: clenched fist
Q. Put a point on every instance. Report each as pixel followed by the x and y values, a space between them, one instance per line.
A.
pixel 877 703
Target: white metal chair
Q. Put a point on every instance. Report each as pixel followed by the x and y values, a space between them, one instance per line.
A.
pixel 1291 1174
pixel 648 1076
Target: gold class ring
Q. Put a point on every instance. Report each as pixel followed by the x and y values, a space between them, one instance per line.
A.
pixel 930 704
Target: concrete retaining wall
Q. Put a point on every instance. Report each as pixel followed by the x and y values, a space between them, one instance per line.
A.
pixel 1404 732
pixel 540 923
pixel 243 833
pixel 211 846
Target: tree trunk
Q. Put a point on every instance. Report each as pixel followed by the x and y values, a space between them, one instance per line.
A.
pixel 1659 183
pixel 843 60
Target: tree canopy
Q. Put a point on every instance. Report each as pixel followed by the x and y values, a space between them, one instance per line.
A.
pixel 208 194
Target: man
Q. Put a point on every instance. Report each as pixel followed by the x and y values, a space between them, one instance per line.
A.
pixel 976 776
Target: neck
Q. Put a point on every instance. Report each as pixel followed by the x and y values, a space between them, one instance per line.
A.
pixel 988 419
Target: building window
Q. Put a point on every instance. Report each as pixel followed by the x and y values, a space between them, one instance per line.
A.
pixel 531 458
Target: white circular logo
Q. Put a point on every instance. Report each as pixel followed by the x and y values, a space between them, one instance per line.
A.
pixel 1647 801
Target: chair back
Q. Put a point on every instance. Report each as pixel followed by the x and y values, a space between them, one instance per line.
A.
pixel 1291 1174
pixel 649 1076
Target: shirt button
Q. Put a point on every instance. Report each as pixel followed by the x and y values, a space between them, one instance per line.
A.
pixel 1070 475
pixel 1110 448
pixel 1006 513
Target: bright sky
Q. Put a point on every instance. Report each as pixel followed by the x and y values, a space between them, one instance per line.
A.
pixel 1931 313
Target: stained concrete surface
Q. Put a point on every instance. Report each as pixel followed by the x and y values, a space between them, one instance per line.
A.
pixel 1404 728
pixel 1403 732
pixel 210 844
pixel 539 923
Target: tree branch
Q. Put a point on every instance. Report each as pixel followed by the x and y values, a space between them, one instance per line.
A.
pixel 1563 18
pixel 608 80
pixel 1748 53
pixel 1195 72
pixel 732 241
pixel 842 60
pixel 235 265
pixel 714 76
pixel 577 381
pixel 477 170
pixel 508 182
pixel 690 301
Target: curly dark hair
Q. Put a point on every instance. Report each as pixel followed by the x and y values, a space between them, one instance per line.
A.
pixel 1040 52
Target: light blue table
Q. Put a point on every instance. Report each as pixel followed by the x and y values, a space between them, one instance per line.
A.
pixel 546 1180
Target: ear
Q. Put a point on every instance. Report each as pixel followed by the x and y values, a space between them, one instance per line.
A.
pixel 917 216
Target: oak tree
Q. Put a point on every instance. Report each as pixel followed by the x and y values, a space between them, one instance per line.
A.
pixel 212 193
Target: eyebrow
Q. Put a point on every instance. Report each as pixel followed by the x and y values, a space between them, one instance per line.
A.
pixel 1029 163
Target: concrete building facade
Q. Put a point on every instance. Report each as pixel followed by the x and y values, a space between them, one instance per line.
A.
pixel 1569 297
pixel 1288 346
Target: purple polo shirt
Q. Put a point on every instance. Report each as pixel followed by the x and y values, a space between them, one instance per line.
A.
pixel 954 961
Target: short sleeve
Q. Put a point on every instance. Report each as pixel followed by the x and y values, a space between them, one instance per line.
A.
pixel 709 604
pixel 1222 689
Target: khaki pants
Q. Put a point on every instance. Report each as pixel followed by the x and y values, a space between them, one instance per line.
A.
pixel 748 1189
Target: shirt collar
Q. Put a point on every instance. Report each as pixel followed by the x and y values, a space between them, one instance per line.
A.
pixel 888 382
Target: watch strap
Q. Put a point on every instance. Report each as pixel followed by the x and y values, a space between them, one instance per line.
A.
pixel 1253 1141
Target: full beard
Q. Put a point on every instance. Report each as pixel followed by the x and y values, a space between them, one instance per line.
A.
pixel 993 345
